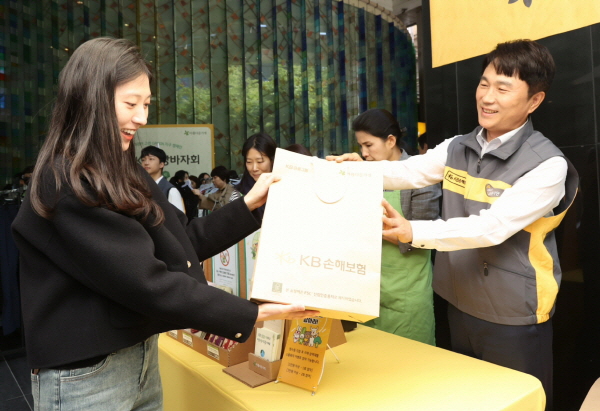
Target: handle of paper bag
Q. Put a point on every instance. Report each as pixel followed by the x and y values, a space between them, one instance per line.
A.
pixel 330 180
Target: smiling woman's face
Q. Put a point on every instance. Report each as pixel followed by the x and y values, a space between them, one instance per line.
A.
pixel 131 105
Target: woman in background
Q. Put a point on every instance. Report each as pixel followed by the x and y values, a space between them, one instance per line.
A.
pixel 259 154
pixel 181 181
pixel 224 194
pixel 299 148
pixel 107 262
pixel 204 178
pixel 194 182
pixel 406 305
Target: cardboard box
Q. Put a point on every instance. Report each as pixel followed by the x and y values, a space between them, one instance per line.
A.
pixel 244 374
pixel 254 372
pixel 268 369
pixel 227 358
pixel 257 371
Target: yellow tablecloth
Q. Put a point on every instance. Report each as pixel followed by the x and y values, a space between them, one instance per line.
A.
pixel 378 371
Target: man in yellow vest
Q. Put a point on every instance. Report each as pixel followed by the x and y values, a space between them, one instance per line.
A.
pixel 506 187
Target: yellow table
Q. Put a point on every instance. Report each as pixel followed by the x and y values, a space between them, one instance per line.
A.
pixel 378 371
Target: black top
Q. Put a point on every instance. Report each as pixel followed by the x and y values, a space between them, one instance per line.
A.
pixel 244 186
pixel 94 281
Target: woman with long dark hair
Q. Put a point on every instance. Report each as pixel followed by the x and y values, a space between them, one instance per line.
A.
pixel 107 262
pixel 259 154
pixel 406 305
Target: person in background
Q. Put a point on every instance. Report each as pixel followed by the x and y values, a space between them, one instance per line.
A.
pixel 406 303
pixel 194 182
pixel 423 146
pixel 26 176
pixel 20 180
pixel 299 148
pixel 106 262
pixel 206 187
pixel 234 178
pixel 153 159
pixel 506 189
pixel 204 178
pixel 216 200
pixel 259 153
pixel 181 177
pixel 182 182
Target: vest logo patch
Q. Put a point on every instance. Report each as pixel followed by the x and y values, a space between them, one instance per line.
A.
pixel 493 192
pixel 455 179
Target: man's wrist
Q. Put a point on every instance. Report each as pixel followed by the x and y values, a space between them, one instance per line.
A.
pixel 418 241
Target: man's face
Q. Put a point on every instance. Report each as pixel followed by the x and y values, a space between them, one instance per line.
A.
pixel 152 165
pixel 503 103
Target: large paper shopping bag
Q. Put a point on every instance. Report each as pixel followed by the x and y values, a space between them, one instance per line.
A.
pixel 320 241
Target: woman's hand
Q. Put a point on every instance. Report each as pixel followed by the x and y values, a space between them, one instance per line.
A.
pixel 345 157
pixel 258 195
pixel 395 226
pixel 273 311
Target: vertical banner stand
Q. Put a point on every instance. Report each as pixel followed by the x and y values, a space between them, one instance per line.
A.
pixel 303 359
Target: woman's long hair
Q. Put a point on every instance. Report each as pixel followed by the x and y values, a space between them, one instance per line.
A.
pixel 83 146
pixel 264 144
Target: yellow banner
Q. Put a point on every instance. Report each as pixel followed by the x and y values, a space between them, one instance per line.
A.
pixel 304 356
pixel 461 29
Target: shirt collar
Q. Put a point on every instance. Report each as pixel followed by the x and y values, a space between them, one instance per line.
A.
pixel 498 141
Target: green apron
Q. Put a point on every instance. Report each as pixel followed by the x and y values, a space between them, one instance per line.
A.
pixel 406 306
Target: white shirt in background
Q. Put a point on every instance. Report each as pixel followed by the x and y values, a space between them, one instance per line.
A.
pixel 174 197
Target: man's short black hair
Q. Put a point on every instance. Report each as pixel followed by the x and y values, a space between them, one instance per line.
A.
pixel 525 59
pixel 156 152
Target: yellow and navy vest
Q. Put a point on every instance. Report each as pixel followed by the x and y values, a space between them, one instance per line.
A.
pixel 516 282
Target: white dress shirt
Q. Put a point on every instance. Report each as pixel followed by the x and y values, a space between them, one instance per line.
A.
pixel 174 197
pixel 531 197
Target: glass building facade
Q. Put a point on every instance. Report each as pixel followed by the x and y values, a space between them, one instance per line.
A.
pixel 299 70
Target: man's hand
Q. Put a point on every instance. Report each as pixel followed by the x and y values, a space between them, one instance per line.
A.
pixel 395 226
pixel 345 157
pixel 390 238
pixel 258 195
pixel 272 311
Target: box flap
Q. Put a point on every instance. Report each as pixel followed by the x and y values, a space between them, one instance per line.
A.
pixel 244 374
